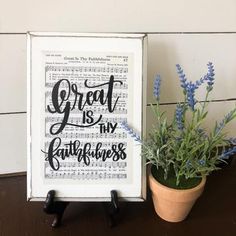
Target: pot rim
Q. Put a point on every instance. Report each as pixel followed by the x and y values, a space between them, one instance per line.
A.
pixel 199 186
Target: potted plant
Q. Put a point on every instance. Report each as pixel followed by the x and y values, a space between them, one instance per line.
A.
pixel 182 153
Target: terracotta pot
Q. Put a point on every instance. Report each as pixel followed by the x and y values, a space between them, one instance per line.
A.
pixel 174 205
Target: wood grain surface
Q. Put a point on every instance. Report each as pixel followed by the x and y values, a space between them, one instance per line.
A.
pixel 213 214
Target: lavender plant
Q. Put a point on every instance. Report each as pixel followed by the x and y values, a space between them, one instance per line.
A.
pixel 183 150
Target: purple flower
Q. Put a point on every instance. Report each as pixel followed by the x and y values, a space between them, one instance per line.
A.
pixel 228 153
pixel 157 85
pixel 201 81
pixel 202 162
pixel 231 115
pixel 179 116
pixel 188 87
pixel 131 132
pixel 191 95
pixel 210 76
pixel 182 78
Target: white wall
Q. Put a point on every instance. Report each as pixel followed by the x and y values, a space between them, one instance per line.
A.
pixel 188 32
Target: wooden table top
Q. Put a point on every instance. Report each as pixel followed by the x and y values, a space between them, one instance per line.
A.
pixel 213 214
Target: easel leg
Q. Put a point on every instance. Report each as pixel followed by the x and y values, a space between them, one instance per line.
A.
pixel 53 207
pixel 112 209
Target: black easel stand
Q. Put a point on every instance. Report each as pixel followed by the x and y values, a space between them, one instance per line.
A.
pixel 112 209
pixel 57 208
pixel 54 207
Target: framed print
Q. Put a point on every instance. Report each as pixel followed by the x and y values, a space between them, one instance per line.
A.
pixel 81 87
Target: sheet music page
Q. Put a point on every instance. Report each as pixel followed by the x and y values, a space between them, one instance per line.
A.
pixel 85 99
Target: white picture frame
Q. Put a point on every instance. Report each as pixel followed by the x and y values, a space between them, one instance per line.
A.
pixel 80 86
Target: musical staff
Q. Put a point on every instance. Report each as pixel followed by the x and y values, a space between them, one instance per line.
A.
pixel 93 144
pixel 100 110
pixel 78 120
pixel 84 176
pixel 64 85
pixel 115 95
pixel 83 69
pixel 70 135
pixel 97 164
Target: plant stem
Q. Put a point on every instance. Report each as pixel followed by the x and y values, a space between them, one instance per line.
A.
pixel 205 102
